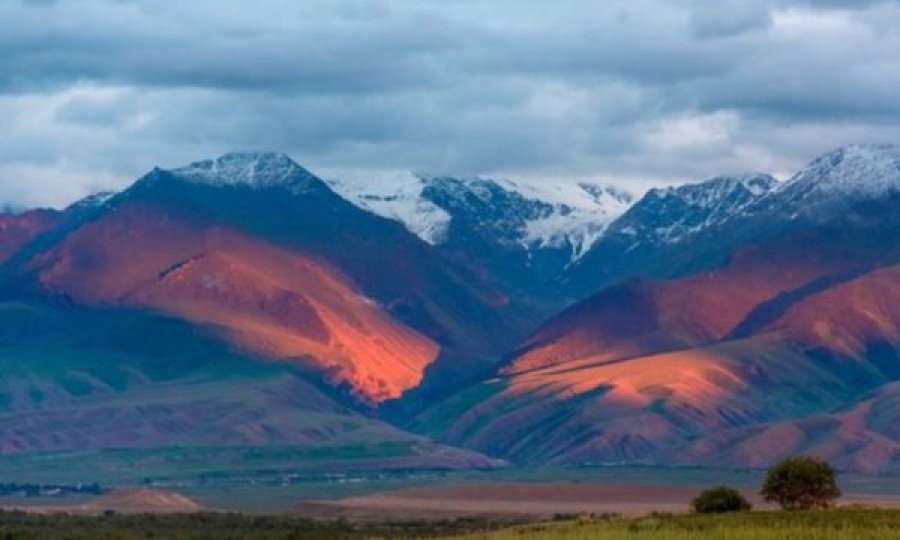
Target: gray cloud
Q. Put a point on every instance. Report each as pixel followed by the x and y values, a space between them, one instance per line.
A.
pixel 841 4
pixel 728 18
pixel 93 93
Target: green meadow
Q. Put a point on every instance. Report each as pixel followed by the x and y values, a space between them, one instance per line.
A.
pixel 842 524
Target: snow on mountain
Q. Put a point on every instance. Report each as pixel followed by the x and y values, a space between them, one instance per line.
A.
pixel 823 190
pixel 527 214
pixel 254 169
pixel 669 215
pixel 95 200
pixel 573 216
pixel 397 197
pixel 581 213
pixel 839 179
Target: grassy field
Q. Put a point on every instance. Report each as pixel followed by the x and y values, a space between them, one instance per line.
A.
pixel 849 524
pixel 212 526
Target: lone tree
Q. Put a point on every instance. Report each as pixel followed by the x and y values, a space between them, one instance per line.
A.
pixel 719 500
pixel 801 483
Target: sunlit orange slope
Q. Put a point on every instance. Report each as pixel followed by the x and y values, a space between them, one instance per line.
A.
pixel 638 409
pixel 673 371
pixel 264 299
pixel 645 317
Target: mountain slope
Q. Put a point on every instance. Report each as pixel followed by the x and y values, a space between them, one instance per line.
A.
pixel 517 213
pixel 669 232
pixel 644 317
pixel 640 370
pixel 835 183
pixel 518 235
pixel 679 231
pixel 723 400
pixel 17 230
pixel 852 327
pixel 268 257
pixel 241 302
pixel 639 409
pixel 862 436
pixel 86 380
pixel 266 300
pixel 713 366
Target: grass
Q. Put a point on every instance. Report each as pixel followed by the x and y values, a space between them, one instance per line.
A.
pixel 210 526
pixel 849 524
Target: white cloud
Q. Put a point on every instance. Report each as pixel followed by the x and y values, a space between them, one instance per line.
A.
pixel 692 132
pixel 29 186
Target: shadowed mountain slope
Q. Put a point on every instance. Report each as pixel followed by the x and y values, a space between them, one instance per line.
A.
pixel 77 379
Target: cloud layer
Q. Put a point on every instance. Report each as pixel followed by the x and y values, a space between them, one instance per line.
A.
pixel 93 93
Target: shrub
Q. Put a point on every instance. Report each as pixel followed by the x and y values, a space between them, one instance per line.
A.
pixel 801 483
pixel 720 500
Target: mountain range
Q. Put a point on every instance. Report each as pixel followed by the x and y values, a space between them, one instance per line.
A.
pixel 244 302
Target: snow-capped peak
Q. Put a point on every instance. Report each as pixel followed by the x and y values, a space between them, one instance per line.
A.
pixel 531 214
pixel 672 214
pixel 254 169
pixel 845 175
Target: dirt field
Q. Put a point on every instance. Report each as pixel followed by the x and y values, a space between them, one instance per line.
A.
pixel 531 500
pixel 544 500
pixel 516 500
pixel 122 501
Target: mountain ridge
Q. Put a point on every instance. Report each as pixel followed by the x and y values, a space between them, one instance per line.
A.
pixel 571 213
pixel 789 336
pixel 254 169
pixel 703 322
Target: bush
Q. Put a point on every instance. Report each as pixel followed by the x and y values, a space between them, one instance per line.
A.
pixel 720 500
pixel 801 483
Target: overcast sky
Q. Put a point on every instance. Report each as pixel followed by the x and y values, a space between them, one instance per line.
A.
pixel 636 92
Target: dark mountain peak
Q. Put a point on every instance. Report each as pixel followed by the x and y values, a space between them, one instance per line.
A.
pixel 254 169
pixel 95 200
pixel 717 188
pixel 671 214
